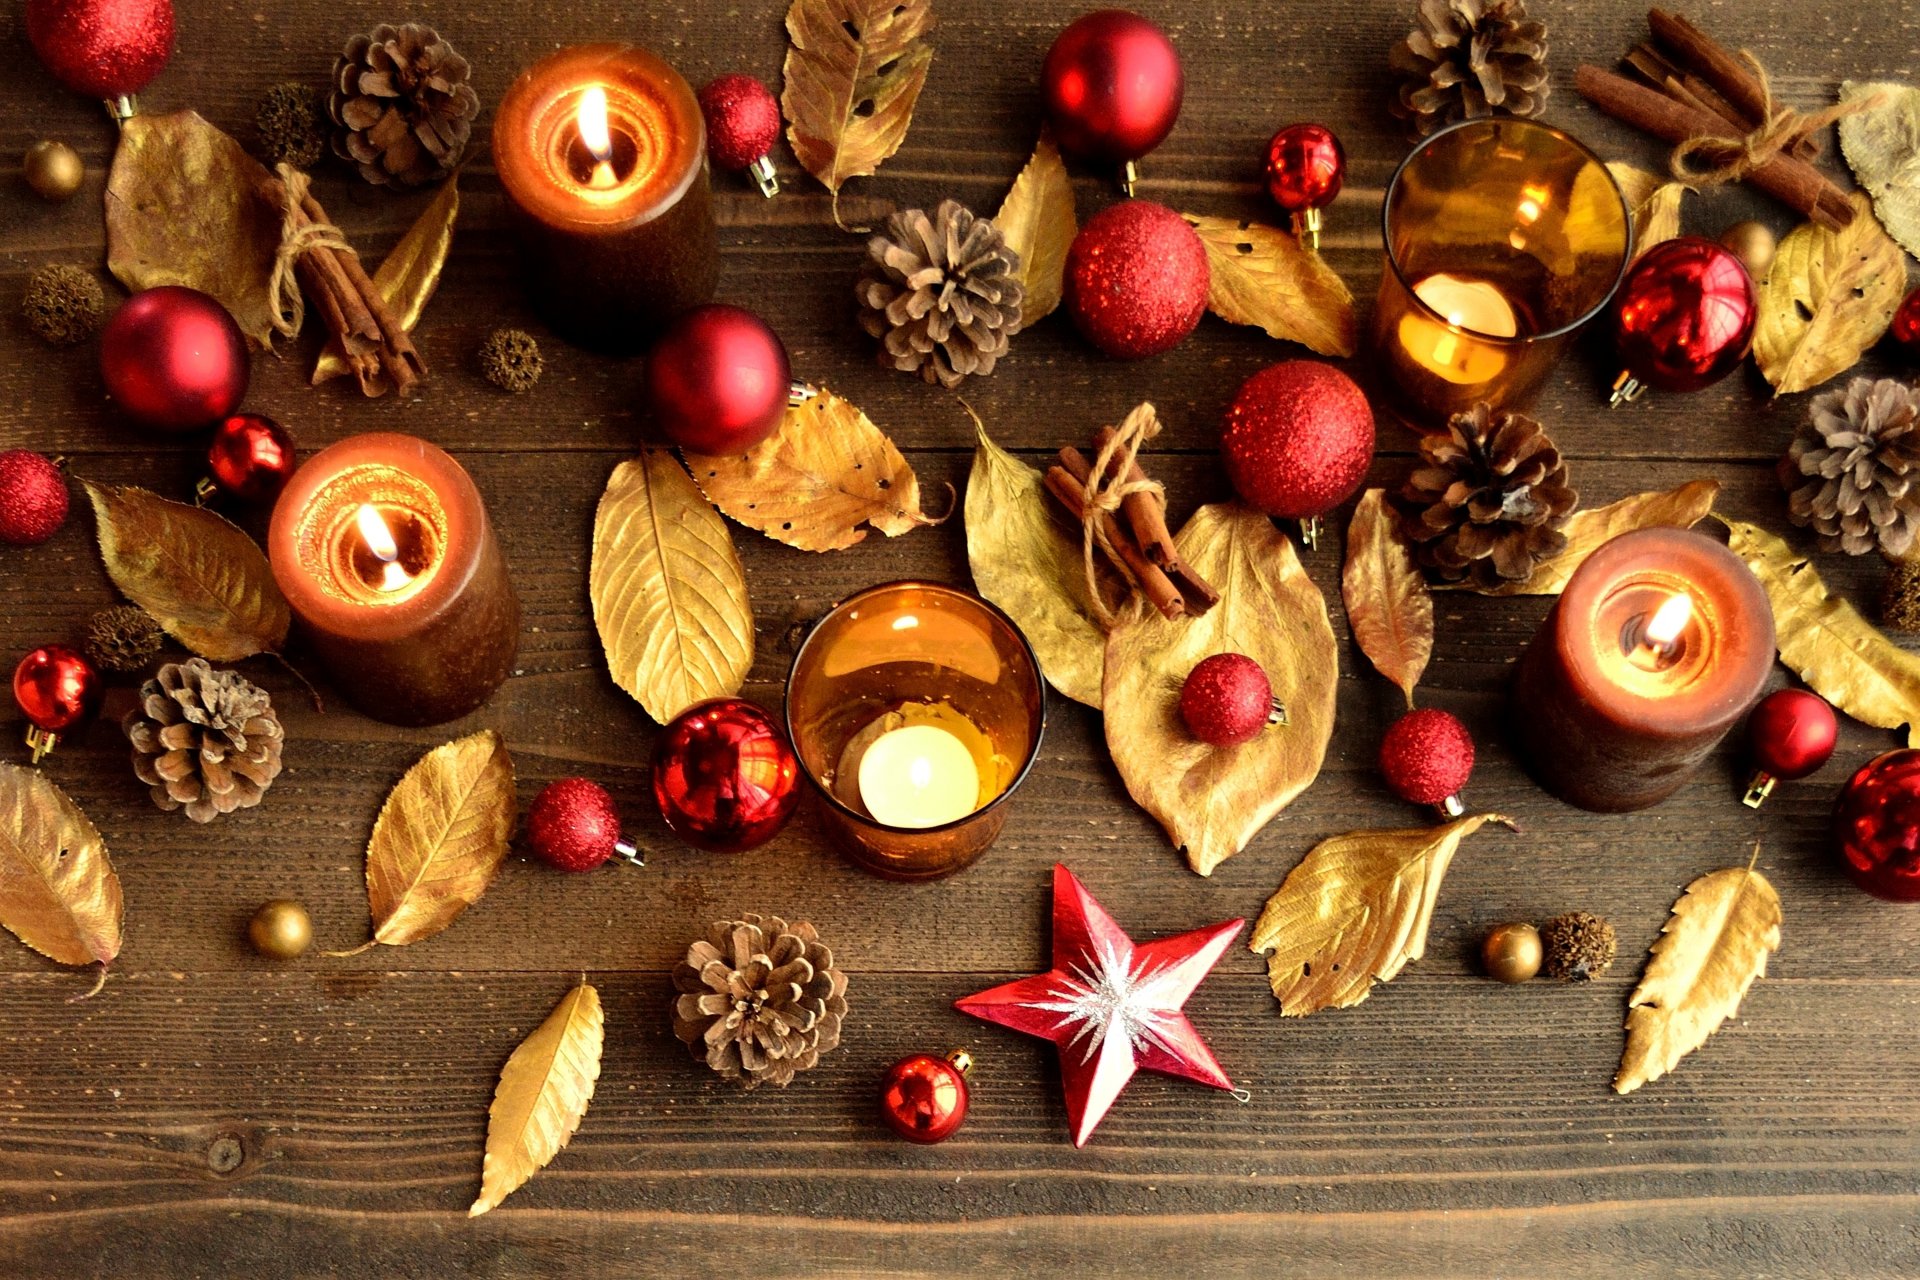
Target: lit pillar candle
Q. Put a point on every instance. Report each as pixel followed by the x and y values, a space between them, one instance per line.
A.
pixel 383 549
pixel 1660 643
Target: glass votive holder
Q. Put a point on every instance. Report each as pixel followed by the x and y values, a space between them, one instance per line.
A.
pixel 1503 237
pixel 916 710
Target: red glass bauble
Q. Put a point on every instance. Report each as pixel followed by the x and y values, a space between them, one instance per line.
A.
pixel 1427 757
pixel 1298 439
pixel 1877 825
pixel 573 824
pixel 1226 699
pixel 251 457
pixel 1906 324
pixel 743 120
pixel 1136 279
pixel 33 498
pixel 1684 316
pixel 1306 166
pixel 924 1098
pixel 717 380
pixel 56 688
pixel 1112 84
pixel 174 360
pixel 1791 733
pixel 725 776
pixel 102 48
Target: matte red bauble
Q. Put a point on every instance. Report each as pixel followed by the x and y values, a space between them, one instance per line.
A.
pixel 725 776
pixel 1877 825
pixel 33 498
pixel 575 826
pixel 743 123
pixel 1684 317
pixel 103 48
pixel 924 1098
pixel 1136 279
pixel 1790 734
pixel 717 381
pixel 55 688
pixel 1112 85
pixel 1427 757
pixel 1906 325
pixel 251 457
pixel 1298 439
pixel 1306 166
pixel 174 360
pixel 1227 699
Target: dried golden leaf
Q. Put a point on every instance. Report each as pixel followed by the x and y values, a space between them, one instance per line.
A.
pixel 1714 946
pixel 406 279
pixel 1655 202
pixel 1882 147
pixel 1828 296
pixel 1038 222
pixel 816 480
pixel 669 592
pixel 1355 911
pixel 1389 608
pixel 183 207
pixel 542 1096
pixel 1212 800
pixel 853 74
pixel 58 891
pixel 1588 531
pixel 1824 640
pixel 203 579
pixel 1262 277
pixel 1025 561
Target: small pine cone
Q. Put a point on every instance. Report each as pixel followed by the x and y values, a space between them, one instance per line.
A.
pixel 291 126
pixel 760 1000
pixel 1577 947
pixel 401 106
pixel 1489 503
pixel 510 359
pixel 122 639
pixel 204 739
pixel 942 293
pixel 63 304
pixel 1852 468
pixel 1469 58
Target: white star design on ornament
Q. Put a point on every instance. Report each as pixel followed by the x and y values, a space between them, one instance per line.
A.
pixel 1109 999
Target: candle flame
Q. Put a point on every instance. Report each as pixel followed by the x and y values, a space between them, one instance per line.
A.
pixel 592 122
pixel 379 540
pixel 1669 620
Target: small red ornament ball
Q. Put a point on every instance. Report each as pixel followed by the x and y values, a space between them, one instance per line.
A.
pixel 102 48
pixel 174 360
pixel 1877 825
pixel 1298 439
pixel 724 775
pixel 573 824
pixel 1427 757
pixel 1792 733
pixel 924 1098
pixel 1112 84
pixel 1136 280
pixel 33 498
pixel 251 457
pixel 1227 699
pixel 743 120
pixel 56 688
pixel 717 380
pixel 1306 166
pixel 1906 325
pixel 1684 316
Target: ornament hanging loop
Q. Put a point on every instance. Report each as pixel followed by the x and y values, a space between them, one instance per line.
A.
pixel 122 107
pixel 629 852
pixel 764 177
pixel 1306 228
pixel 1129 174
pixel 1626 389
pixel 40 742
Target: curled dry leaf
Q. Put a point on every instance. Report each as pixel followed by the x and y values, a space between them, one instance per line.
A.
pixel 203 580
pixel 1389 608
pixel 816 480
pixel 1655 202
pixel 669 592
pixel 1828 296
pixel 1212 800
pixel 406 279
pixel 58 891
pixel 1037 220
pixel 1587 531
pixel 1716 943
pixel 1882 147
pixel 1355 911
pixel 1263 277
pixel 183 207
pixel 542 1096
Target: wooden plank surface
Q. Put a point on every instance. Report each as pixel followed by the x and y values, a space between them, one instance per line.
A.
pixel 210 1114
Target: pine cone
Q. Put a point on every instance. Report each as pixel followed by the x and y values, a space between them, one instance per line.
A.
pixel 1468 58
pixel 205 739
pixel 401 105
pixel 1490 500
pixel 942 294
pixel 1850 472
pixel 759 1001
pixel 122 639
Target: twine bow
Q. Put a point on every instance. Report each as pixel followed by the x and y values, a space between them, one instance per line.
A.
pixel 1106 488
pixel 297 236
pixel 1711 161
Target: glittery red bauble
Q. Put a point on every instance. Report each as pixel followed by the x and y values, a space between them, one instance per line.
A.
pixel 1137 278
pixel 1791 733
pixel 717 380
pixel 1906 325
pixel 1112 84
pixel 1427 757
pixel 1306 166
pixel 174 360
pixel 251 457
pixel 102 48
pixel 1684 316
pixel 573 824
pixel 1878 826
pixel 33 498
pixel 924 1098
pixel 1226 699
pixel 743 120
pixel 56 688
pixel 1298 439
pixel 724 775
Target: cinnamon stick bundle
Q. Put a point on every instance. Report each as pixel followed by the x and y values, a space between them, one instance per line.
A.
pixel 1141 544
pixel 1695 51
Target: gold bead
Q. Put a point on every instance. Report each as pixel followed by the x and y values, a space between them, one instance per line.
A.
pixel 53 169
pixel 280 929
pixel 1753 244
pixel 1511 952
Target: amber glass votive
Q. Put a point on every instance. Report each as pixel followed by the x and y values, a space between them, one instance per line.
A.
pixel 602 153
pixel 916 710
pixel 1503 238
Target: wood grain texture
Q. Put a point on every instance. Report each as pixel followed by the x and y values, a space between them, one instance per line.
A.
pixel 210 1114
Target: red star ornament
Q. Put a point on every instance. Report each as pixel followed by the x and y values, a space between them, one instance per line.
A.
pixel 1111 1007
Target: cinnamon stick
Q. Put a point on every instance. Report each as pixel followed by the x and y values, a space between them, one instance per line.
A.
pixel 1694 50
pixel 398 356
pixel 1146 513
pixel 1154 584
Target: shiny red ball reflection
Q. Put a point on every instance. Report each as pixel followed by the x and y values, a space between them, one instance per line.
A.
pixel 1877 825
pixel 1684 316
pixel 724 775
